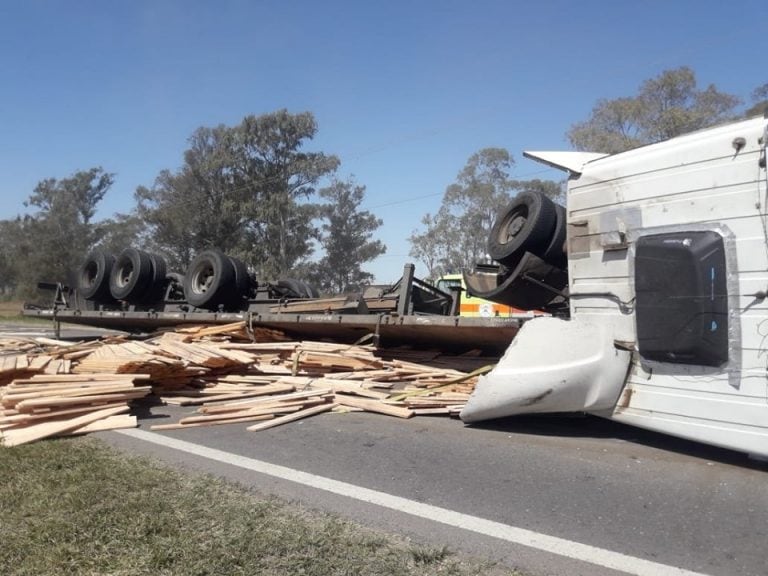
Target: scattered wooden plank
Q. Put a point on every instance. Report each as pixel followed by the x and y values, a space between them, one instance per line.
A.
pixel 57 343
pixel 205 331
pixel 271 410
pixel 58 382
pixel 16 437
pixel 373 406
pixel 177 426
pixel 347 387
pixel 292 417
pixel 274 399
pixel 431 411
pixel 52 401
pixel 24 418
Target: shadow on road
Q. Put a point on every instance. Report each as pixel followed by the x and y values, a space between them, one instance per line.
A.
pixel 587 426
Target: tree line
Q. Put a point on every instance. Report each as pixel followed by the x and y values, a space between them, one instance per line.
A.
pixel 250 190
pixel 255 192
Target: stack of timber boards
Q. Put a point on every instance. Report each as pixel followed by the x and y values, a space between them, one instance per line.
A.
pixel 231 375
pixel 60 404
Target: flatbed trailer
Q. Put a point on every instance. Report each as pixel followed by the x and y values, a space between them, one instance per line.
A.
pixel 410 312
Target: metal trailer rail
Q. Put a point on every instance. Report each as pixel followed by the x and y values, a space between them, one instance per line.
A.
pixel 453 332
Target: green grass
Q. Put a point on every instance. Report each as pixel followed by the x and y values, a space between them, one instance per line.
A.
pixel 19 319
pixel 80 507
pixel 10 312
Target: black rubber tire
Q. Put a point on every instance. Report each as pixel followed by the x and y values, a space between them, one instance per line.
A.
pixel 210 281
pixel 131 275
pixel 292 288
pixel 93 275
pixel 242 281
pixel 526 224
pixel 555 252
pixel 158 282
pixel 311 291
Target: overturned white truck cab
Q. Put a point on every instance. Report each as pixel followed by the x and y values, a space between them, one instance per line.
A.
pixel 667 250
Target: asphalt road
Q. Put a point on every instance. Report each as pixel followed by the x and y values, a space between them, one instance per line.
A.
pixel 584 480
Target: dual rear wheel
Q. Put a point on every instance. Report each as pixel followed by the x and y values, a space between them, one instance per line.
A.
pixel 134 276
pixel 214 281
pixel 530 223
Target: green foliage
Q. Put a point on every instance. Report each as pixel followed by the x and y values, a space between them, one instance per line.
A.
pixel 553 190
pixel 200 206
pixel 80 193
pixel 455 238
pixel 422 555
pixel 120 231
pixel 759 102
pixel 50 243
pixel 430 246
pixel 10 241
pixel 346 238
pixel 666 106
pixel 280 178
pixel 243 189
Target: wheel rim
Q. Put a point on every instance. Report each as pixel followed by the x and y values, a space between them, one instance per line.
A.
pixel 124 275
pixel 90 273
pixel 202 279
pixel 512 226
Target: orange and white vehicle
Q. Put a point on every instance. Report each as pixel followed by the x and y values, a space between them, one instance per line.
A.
pixel 472 305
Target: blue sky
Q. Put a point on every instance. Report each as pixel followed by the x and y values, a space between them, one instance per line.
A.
pixel 403 92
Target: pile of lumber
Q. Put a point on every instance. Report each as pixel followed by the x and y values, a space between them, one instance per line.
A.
pixel 61 404
pixel 228 373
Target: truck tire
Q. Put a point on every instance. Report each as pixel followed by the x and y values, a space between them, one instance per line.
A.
pixel 311 291
pixel 555 252
pixel 158 279
pixel 292 288
pixel 525 225
pixel 242 281
pixel 93 276
pixel 131 275
pixel 210 281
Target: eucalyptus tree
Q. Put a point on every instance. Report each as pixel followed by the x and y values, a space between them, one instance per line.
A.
pixel 346 236
pixel 246 189
pixel 668 105
pixel 50 242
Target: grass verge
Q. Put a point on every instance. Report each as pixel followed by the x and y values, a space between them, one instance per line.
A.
pixel 10 311
pixel 19 319
pixel 79 507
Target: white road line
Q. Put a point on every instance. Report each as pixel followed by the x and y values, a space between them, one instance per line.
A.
pixel 551 544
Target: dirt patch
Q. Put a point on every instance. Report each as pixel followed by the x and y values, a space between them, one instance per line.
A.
pixel 11 308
